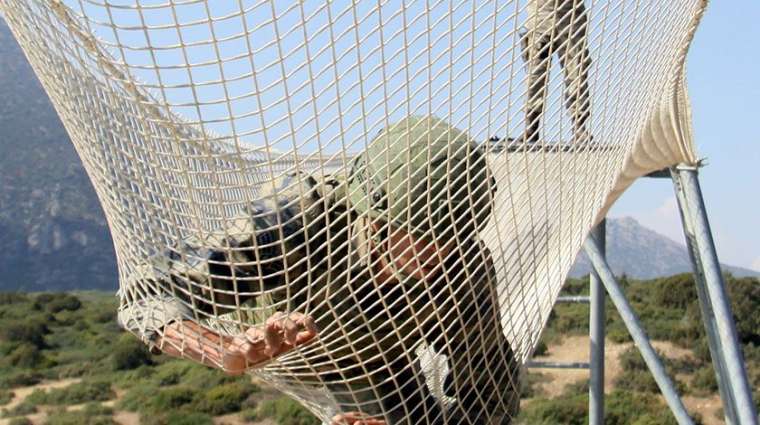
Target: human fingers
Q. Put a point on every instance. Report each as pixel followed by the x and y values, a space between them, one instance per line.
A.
pixel 273 333
pixel 306 323
pixel 355 418
pixel 290 330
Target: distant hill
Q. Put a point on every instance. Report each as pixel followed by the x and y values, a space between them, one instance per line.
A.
pixel 642 253
pixel 53 235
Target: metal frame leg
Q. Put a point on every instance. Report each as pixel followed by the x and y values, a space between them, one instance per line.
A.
pixel 716 308
pixel 596 336
pixel 640 338
pixel 716 354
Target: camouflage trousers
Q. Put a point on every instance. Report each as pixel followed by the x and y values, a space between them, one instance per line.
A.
pixel 559 26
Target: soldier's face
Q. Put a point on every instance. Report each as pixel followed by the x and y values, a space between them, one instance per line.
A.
pixel 417 257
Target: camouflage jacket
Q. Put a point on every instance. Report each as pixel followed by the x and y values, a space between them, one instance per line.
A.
pixel 302 248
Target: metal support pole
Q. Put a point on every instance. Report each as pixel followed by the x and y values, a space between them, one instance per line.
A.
pixel 596 336
pixel 716 352
pixel 640 338
pixel 737 382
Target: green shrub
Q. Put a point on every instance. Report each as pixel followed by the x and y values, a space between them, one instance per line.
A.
pixel 287 412
pixel 9 298
pixel 61 302
pixel 529 385
pixel 25 355
pixel 5 397
pixel 22 378
pixel 621 408
pixel 705 381
pixel 173 398
pixel 82 392
pixel 177 418
pixel 563 410
pixel 152 400
pixel 745 299
pixel 30 331
pixel 92 414
pixel 225 398
pixel 21 409
pixel 250 415
pixel 541 348
pixel 576 388
pixel 129 353
pixel 625 408
pixel 20 421
pixel 676 292
pixel 137 398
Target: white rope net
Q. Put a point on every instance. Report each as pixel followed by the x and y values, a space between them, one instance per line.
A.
pixel 255 157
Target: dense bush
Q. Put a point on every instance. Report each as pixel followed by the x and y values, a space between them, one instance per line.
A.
pixel 171 398
pixel 704 381
pixel 27 331
pixel 177 418
pixel 55 303
pixel 20 378
pixel 81 392
pixel 25 355
pixel 745 299
pixel 91 414
pixel 677 292
pixel 530 384
pixel 621 408
pixel 287 412
pixel 226 398
pixel 569 410
pixel 5 397
pixel 21 409
pixel 129 353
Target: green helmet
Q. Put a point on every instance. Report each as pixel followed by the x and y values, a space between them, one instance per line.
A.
pixel 425 176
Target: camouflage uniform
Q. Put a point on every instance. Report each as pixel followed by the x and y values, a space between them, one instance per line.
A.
pixel 559 26
pixel 385 346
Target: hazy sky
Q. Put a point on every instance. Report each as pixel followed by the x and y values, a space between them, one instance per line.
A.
pixel 724 85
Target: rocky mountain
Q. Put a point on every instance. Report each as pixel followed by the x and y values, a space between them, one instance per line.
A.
pixel 53 235
pixel 642 253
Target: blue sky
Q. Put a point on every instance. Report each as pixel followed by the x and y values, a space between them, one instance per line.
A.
pixel 724 85
pixel 723 76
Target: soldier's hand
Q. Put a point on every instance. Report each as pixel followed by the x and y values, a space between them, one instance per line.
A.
pixel 279 334
pixel 356 418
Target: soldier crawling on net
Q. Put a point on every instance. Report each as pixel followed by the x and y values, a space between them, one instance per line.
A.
pixel 384 268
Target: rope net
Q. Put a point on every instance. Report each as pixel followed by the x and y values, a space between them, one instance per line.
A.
pixel 375 202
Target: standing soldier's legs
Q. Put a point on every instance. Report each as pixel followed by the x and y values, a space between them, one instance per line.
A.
pixel 536 52
pixel 575 62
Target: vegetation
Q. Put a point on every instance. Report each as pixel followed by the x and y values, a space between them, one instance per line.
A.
pixel 74 336
pixel 669 311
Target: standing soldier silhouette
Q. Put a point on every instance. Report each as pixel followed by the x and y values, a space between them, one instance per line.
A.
pixel 561 27
pixel 383 275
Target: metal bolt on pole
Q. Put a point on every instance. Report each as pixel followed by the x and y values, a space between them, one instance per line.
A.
pixel 738 383
pixel 640 338
pixel 596 336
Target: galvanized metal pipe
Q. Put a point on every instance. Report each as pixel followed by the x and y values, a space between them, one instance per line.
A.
pixel 640 338
pixel 738 383
pixel 558 365
pixel 596 336
pixel 708 317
